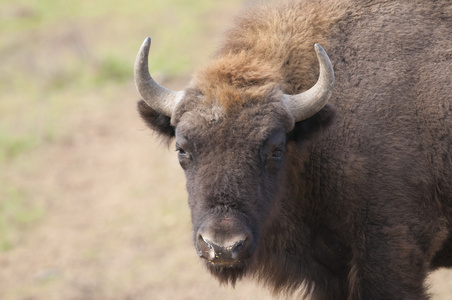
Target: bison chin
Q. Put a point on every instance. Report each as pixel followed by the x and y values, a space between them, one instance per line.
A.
pixel 228 274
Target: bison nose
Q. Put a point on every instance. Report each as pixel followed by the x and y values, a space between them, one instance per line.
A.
pixel 230 250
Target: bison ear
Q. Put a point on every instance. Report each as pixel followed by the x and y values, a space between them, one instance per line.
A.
pixel 321 120
pixel 158 122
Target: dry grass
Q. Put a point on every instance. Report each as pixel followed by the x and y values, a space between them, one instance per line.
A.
pixel 91 206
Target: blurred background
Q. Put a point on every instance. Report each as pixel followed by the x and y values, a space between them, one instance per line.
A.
pixel 92 206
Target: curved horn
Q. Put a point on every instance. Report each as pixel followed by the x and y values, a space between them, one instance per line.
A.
pixel 156 96
pixel 308 103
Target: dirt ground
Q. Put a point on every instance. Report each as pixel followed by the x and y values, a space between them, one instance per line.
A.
pixel 115 221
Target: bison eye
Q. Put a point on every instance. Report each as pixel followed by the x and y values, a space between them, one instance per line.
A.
pixel 183 156
pixel 184 150
pixel 277 154
pixel 180 151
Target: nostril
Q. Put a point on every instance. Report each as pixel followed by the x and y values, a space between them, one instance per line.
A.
pixel 239 248
pixel 205 247
pixel 236 246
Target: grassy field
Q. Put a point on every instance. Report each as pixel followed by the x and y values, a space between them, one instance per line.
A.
pixel 91 205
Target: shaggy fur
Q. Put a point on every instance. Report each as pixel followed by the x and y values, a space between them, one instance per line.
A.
pixel 269 46
pixel 356 203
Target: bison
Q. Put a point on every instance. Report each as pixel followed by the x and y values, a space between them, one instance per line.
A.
pixel 345 193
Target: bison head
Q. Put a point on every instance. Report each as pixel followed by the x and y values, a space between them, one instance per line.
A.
pixel 234 158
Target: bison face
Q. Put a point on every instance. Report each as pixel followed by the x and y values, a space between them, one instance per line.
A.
pixel 233 164
pixel 230 128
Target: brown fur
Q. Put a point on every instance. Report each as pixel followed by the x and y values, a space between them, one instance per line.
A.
pixel 359 203
pixel 271 45
pixel 235 79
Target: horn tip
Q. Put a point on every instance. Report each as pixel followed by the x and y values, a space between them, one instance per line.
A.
pixel 144 50
pixel 147 41
pixel 318 48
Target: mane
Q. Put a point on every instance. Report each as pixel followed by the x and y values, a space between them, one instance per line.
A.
pixel 235 79
pixel 270 46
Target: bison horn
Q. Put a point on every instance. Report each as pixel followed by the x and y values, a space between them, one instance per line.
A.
pixel 156 96
pixel 308 103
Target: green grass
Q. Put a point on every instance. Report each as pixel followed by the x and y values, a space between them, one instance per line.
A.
pixel 51 45
pixel 17 214
pixel 55 49
pixel 12 146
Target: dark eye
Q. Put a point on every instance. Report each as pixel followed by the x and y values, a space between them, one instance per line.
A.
pixel 277 154
pixel 183 156
pixel 181 151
